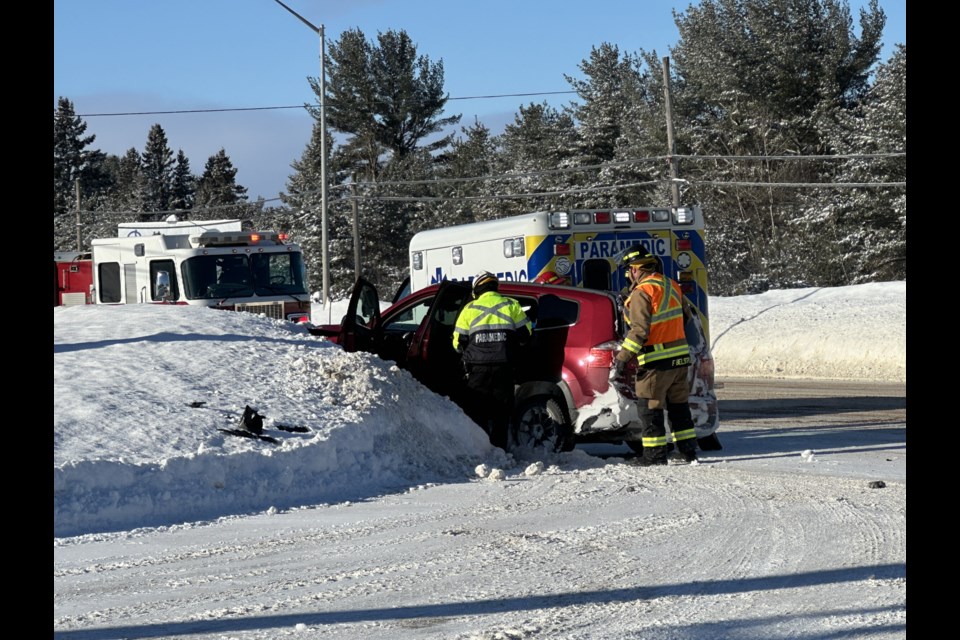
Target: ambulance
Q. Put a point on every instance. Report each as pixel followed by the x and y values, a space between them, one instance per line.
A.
pixel 211 263
pixel 581 245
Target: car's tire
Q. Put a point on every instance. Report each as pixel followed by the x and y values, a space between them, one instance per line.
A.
pixel 709 443
pixel 540 423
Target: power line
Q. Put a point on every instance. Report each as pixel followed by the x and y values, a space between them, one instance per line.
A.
pixel 300 106
pixel 571 190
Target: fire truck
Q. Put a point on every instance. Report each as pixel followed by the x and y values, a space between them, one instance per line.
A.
pixel 210 263
pixel 579 245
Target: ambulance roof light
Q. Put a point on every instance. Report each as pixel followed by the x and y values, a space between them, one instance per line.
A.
pixel 558 220
pixel 683 215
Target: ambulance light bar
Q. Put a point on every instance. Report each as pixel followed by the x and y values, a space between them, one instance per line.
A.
pixel 220 238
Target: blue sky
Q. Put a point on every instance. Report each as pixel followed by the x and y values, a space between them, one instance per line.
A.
pixel 124 56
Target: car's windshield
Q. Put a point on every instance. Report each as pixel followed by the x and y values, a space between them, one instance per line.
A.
pixel 238 275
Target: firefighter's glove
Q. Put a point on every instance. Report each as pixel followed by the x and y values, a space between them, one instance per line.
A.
pixel 616 371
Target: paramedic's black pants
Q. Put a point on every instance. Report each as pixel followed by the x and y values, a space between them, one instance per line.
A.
pixel 489 399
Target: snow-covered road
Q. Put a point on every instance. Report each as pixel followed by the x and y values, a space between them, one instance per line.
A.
pixel 780 535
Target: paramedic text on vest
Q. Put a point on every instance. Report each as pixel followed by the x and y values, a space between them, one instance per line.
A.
pixel 654 312
pixel 488 333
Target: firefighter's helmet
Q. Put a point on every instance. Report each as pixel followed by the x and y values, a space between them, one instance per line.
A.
pixel 638 256
pixel 483 282
pixel 551 277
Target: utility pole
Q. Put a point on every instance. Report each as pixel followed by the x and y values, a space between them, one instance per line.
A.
pixel 356 227
pixel 76 188
pixel 671 147
pixel 323 160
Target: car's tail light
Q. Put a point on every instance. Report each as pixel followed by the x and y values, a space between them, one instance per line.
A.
pixel 601 356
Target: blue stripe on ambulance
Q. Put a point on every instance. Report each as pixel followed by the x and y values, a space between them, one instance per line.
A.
pixel 697 247
pixel 544 253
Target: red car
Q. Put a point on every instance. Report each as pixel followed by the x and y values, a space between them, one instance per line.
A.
pixel 563 393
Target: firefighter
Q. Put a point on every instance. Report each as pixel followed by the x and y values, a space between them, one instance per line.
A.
pixel 488 333
pixel 655 312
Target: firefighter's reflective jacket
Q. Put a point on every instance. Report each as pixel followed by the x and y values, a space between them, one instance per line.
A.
pixel 490 328
pixel 654 312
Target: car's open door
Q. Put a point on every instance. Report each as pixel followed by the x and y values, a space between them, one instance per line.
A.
pixel 431 357
pixel 358 327
pixel 402 291
pixel 543 357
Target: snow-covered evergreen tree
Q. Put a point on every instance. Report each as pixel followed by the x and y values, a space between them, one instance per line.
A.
pixel 763 78
pixel 74 161
pixel 868 225
pixel 217 187
pixel 540 140
pixel 184 185
pixel 157 171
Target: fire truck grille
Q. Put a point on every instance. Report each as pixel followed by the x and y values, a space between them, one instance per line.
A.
pixel 270 309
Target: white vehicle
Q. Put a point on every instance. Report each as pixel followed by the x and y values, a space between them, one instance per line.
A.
pixel 208 263
pixel 580 246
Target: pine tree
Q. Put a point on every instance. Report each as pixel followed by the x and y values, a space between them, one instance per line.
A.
pixel 601 117
pixel 868 225
pixel 386 101
pixel 763 78
pixel 124 202
pixel 217 187
pixel 73 161
pixel 304 199
pixel 540 140
pixel 615 124
pixel 384 97
pixel 157 172
pixel 469 163
pixel 183 185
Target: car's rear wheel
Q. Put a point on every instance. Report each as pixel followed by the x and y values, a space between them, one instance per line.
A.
pixel 541 424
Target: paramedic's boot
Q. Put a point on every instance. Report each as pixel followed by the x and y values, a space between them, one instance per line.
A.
pixel 653 457
pixel 681 423
pixel 685 453
pixel 651 427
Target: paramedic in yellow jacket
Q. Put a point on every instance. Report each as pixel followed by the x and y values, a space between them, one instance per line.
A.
pixel 654 312
pixel 488 333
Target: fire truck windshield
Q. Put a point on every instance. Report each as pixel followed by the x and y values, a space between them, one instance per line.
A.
pixel 243 276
